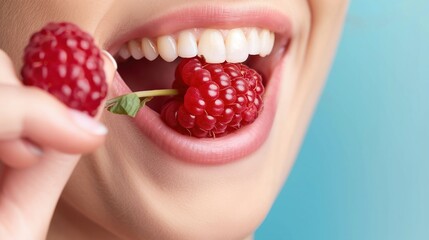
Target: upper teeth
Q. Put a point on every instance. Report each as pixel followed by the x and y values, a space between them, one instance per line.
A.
pixel 217 46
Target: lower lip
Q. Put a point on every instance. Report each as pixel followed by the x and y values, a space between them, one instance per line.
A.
pixel 208 151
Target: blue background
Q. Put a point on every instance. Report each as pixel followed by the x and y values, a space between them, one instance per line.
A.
pixel 363 170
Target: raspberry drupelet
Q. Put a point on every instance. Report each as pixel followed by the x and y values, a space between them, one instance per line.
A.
pixel 213 99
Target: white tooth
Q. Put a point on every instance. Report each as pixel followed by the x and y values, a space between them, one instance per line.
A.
pixel 212 46
pixel 253 42
pixel 167 48
pixel 187 45
pixel 272 41
pixel 267 42
pixel 149 49
pixel 124 53
pixel 135 49
pixel 236 46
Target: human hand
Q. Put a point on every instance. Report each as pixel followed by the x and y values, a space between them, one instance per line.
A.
pixel 41 141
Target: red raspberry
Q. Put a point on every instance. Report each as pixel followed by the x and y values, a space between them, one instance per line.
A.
pixel 214 99
pixel 64 60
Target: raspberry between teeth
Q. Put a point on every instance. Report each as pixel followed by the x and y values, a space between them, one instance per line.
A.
pixel 211 100
pixel 64 60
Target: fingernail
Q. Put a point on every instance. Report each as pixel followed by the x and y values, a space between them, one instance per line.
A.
pixel 110 57
pixel 87 123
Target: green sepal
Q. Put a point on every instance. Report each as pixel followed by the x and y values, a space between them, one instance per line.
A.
pixel 130 104
pixel 127 105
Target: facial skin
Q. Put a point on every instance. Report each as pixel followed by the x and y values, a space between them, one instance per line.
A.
pixel 131 188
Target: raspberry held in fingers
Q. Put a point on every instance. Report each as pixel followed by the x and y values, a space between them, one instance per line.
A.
pixel 64 60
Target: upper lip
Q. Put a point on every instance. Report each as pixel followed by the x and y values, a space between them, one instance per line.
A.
pixel 206 16
pixel 232 146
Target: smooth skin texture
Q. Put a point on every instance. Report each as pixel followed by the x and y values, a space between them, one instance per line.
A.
pixel 128 188
pixel 36 161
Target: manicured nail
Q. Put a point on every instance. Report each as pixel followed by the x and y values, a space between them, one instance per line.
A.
pixel 110 57
pixel 87 123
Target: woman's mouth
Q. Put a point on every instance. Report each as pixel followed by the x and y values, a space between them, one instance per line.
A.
pixel 148 56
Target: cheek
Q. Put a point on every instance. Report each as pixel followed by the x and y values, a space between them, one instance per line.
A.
pixel 30 16
pixel 317 25
pixel 332 7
